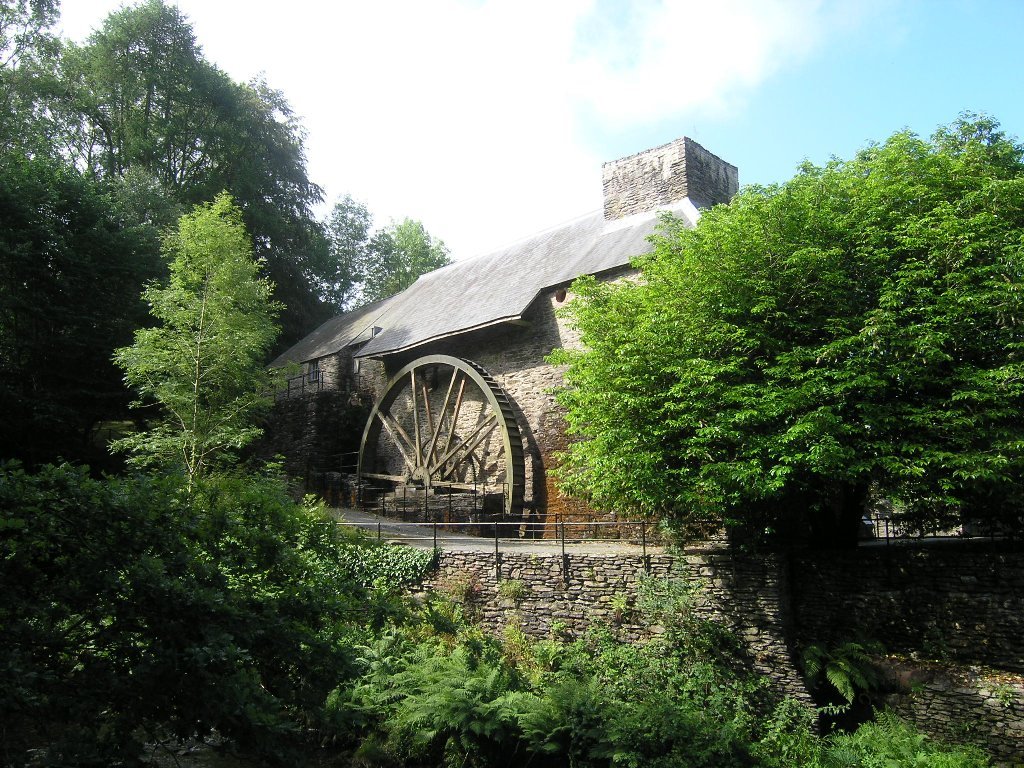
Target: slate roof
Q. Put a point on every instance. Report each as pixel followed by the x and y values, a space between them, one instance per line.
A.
pixel 337 333
pixel 486 290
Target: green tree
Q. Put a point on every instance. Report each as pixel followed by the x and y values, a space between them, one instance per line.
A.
pixel 70 276
pixel 400 254
pixel 365 265
pixel 27 51
pixel 140 98
pixel 203 364
pixel 133 611
pixel 852 335
pixel 146 96
pixel 24 30
pixel 351 248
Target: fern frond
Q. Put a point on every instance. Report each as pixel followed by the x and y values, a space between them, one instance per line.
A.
pixel 840 680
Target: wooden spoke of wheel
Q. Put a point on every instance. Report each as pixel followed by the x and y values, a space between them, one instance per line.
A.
pixel 452 417
pixel 431 440
pixel 477 436
pixel 397 436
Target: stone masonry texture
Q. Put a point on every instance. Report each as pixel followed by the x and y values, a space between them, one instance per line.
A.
pixel 666 174
pixel 745 595
pixel 955 602
pixel 954 611
pixel 964 704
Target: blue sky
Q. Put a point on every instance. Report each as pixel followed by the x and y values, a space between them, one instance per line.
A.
pixel 489 119
pixel 911 65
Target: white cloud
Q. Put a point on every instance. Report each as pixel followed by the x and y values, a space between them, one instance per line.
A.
pixel 470 114
pixel 676 57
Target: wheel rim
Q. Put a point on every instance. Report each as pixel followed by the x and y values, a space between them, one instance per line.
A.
pixel 443 422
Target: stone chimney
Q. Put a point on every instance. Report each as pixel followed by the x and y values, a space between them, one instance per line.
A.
pixel 664 175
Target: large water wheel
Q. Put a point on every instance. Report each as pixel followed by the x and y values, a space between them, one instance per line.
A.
pixel 444 425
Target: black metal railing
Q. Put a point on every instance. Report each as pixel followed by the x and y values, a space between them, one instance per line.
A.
pixel 503 532
pixel 306 383
pixel 893 528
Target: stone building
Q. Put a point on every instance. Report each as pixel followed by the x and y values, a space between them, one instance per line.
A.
pixel 455 365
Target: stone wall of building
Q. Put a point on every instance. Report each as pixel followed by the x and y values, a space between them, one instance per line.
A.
pixel 317 421
pixel 566 596
pixel 667 174
pixel 514 355
pixel 369 376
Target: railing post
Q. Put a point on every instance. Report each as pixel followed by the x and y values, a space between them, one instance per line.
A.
pixel 565 560
pixel 643 544
pixel 378 530
pixel 435 534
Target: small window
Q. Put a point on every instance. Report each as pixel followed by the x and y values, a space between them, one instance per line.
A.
pixel 313 370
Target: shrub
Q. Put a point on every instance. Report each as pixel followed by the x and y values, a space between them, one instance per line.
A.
pixel 131 608
pixel 568 719
pixel 463 586
pixel 515 590
pixel 892 743
pixel 385 566
pixel 848 668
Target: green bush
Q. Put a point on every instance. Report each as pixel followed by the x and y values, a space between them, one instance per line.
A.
pixel 132 609
pixel 515 590
pixel 848 668
pixel 890 743
pixel 567 719
pixel 385 566
pixel 457 696
pixel 671 732
pixel 787 736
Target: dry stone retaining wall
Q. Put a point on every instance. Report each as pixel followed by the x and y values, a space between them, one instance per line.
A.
pixel 570 595
pixel 960 603
pixel 954 602
pixel 971 601
pixel 971 705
